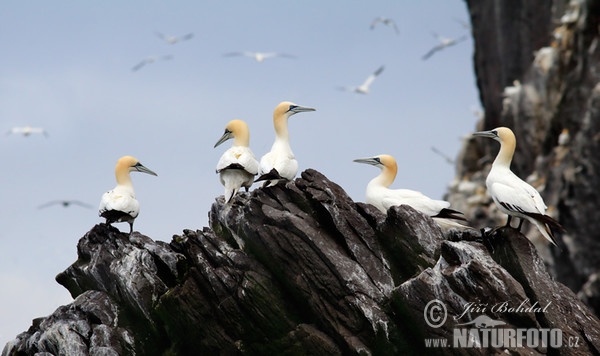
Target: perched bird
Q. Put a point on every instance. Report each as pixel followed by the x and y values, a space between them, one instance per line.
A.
pixel 119 204
pixel 65 204
pixel 150 60
pixel 512 195
pixel 443 43
pixel 27 130
pixel 237 166
pixel 364 87
pixel 259 56
pixel 379 195
pixel 386 21
pixel 174 39
pixel 280 164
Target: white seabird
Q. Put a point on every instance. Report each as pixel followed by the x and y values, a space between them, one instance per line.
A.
pixel 150 60
pixel 280 163
pixel 512 195
pixel 27 130
pixel 237 166
pixel 386 21
pixel 379 195
pixel 174 39
pixel 364 87
pixel 259 56
pixel 443 43
pixel 119 204
pixel 65 204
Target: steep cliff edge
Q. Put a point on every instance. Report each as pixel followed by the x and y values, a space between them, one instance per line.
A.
pixel 301 269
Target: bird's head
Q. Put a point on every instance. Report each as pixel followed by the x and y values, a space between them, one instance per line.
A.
pixel 131 164
pixel 500 134
pixel 380 161
pixel 238 130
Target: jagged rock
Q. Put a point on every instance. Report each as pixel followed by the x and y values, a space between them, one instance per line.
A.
pixel 298 269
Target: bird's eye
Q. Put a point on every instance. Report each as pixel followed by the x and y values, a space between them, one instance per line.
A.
pixel 378 160
pixel 227 131
pixel 292 107
pixel 495 132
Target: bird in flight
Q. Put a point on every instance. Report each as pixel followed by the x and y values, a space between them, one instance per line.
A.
pixel 150 60
pixel 364 87
pixel 174 39
pixel 27 130
pixel 65 204
pixel 259 56
pixel 443 43
pixel 386 21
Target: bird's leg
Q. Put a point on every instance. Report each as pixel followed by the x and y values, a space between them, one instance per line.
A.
pixel 508 221
pixel 130 227
pixel 520 224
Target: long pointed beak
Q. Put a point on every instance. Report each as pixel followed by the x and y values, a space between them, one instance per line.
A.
pixel 141 168
pixel 297 109
pixel 490 134
pixel 372 161
pixel 226 136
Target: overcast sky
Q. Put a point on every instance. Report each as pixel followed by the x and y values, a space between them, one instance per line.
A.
pixel 67 67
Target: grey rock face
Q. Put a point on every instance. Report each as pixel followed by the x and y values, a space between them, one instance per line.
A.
pixel 299 269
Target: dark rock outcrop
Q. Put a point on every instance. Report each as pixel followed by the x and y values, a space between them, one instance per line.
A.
pixel 301 269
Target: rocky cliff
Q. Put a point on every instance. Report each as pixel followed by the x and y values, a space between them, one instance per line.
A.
pixel 301 269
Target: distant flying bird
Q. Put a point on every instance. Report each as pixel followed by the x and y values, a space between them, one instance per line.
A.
pixel 443 43
pixel 386 21
pixel 174 39
pixel 237 166
pixel 27 130
pixel 379 195
pixel 119 204
pixel 150 60
pixel 280 164
pixel 512 195
pixel 65 204
pixel 364 87
pixel 259 56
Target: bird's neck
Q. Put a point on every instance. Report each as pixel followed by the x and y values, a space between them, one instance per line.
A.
pixel 281 129
pixel 385 178
pixel 122 175
pixel 242 139
pixel 505 155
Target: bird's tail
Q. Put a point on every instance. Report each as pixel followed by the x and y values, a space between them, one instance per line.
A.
pixel 545 224
pixel 450 214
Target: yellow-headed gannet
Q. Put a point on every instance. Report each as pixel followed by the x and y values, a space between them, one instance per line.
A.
pixel 174 39
pixel 150 60
pixel 512 195
pixel 443 43
pixel 119 204
pixel 379 195
pixel 65 204
pixel 27 130
pixel 259 56
pixel 237 166
pixel 280 163
pixel 386 21
pixel 364 87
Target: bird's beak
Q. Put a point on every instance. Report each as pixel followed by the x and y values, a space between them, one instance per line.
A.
pixel 372 161
pixel 141 168
pixel 490 134
pixel 297 109
pixel 226 136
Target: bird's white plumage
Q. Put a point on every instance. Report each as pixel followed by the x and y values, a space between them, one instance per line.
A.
pixel 27 130
pixel 443 43
pixel 364 88
pixel 386 21
pixel 121 198
pixel 259 56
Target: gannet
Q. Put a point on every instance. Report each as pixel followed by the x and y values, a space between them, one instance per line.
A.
pixel 364 87
pixel 386 21
pixel 150 60
pixel 174 39
pixel 379 195
pixel 65 204
pixel 119 204
pixel 443 43
pixel 237 166
pixel 259 56
pixel 280 163
pixel 27 130
pixel 512 195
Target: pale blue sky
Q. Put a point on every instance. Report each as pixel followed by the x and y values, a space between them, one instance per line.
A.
pixel 66 66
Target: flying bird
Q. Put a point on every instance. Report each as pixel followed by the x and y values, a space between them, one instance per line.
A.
pixel 27 130
pixel 512 195
pixel 259 56
pixel 386 21
pixel 119 204
pixel 174 39
pixel 65 204
pixel 280 164
pixel 150 60
pixel 443 43
pixel 237 166
pixel 379 195
pixel 364 87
